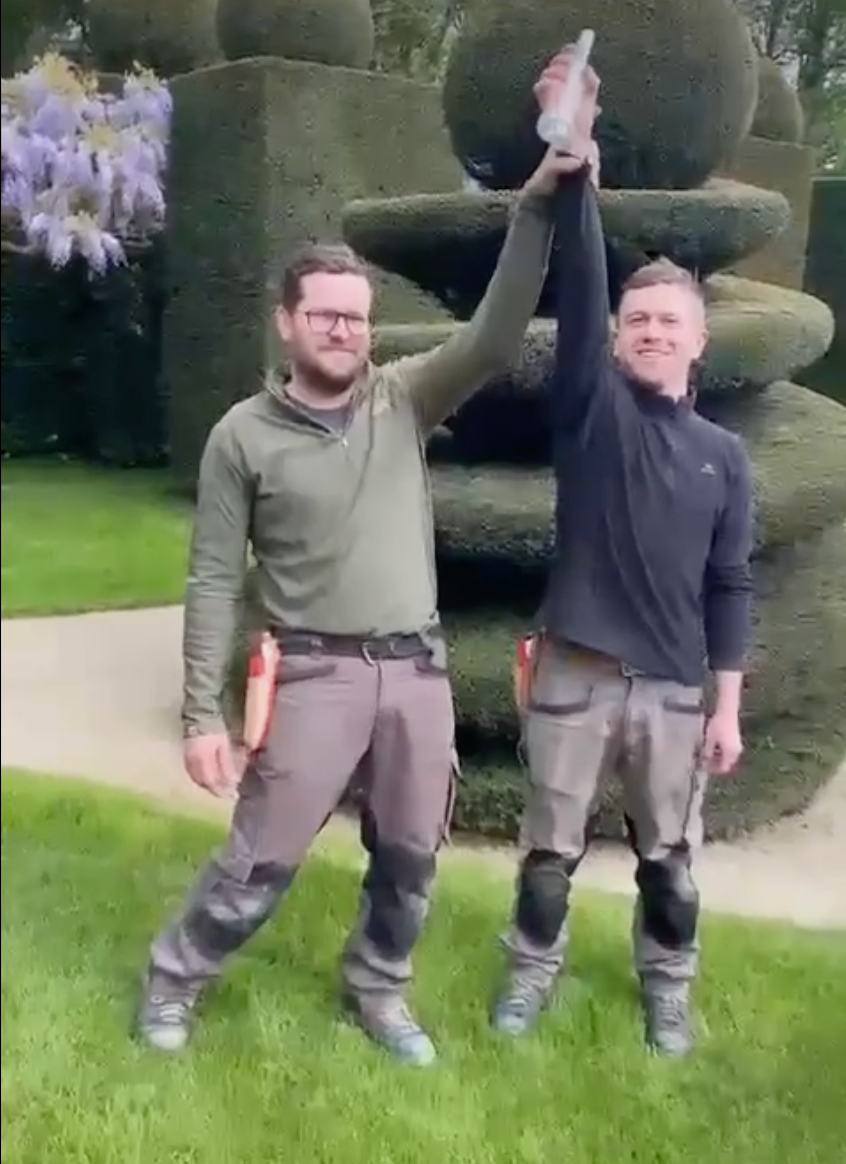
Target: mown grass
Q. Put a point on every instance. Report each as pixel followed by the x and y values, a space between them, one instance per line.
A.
pixel 78 537
pixel 274 1075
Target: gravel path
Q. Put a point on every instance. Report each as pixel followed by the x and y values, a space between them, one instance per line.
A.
pixel 97 696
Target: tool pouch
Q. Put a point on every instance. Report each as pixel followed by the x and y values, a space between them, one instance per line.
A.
pixel 262 670
pixel 523 670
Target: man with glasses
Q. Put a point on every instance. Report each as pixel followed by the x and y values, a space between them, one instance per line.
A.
pixel 323 474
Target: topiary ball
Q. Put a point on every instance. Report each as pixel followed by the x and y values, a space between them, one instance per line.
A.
pixel 330 32
pixel 679 86
pixel 169 37
pixel 778 115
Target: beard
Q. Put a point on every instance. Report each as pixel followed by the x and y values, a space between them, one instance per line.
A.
pixel 322 381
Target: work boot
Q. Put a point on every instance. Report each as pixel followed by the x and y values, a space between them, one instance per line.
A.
pixel 166 1015
pixel 666 1011
pixel 517 1010
pixel 387 1021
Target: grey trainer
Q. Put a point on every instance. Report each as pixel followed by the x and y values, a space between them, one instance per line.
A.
pixel 388 1022
pixel 666 1012
pixel 517 1010
pixel 166 1018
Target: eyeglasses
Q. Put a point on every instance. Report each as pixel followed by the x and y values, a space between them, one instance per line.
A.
pixel 323 322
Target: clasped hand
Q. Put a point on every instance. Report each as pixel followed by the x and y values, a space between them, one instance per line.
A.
pixel 583 149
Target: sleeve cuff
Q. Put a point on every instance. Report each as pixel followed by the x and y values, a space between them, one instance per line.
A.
pixel 210 725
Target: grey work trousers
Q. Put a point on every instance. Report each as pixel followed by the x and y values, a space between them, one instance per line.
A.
pixel 391 724
pixel 586 720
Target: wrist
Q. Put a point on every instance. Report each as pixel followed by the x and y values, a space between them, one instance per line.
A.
pixel 210 726
pixel 727 697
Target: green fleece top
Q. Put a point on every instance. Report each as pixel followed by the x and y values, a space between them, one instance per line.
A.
pixel 340 522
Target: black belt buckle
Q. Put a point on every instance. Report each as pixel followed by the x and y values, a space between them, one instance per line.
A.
pixel 390 647
pixel 367 654
pixel 629 672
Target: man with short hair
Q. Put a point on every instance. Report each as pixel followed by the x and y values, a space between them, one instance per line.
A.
pixel 651 579
pixel 325 475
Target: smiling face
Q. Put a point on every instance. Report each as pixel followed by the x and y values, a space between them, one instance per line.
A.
pixel 324 319
pixel 661 328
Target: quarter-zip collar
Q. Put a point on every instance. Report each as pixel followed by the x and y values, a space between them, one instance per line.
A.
pixel 656 403
pixel 302 418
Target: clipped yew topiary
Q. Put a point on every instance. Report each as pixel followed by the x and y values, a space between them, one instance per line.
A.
pixel 679 86
pixel 449 243
pixel 328 32
pixel 170 36
pixel 778 115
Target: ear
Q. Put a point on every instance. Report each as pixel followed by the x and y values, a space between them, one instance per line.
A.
pixel 613 332
pixel 703 342
pixel 284 324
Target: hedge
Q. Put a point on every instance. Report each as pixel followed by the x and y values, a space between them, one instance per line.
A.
pixel 758 334
pixel 265 153
pixel 449 244
pixel 825 276
pixel 788 168
pixel 81 359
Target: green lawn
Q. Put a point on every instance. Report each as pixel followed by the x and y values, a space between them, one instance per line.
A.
pixel 64 538
pixel 275 1076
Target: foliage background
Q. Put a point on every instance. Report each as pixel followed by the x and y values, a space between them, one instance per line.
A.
pixel 806 37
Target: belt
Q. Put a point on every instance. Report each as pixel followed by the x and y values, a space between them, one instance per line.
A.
pixel 401 646
pixel 599 658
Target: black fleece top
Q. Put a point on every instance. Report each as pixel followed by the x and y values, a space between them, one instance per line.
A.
pixel 654 509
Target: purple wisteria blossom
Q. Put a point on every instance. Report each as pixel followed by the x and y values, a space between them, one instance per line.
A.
pixel 83 171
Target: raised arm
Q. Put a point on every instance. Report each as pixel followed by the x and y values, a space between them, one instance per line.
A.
pixel 216 573
pixel 582 305
pixel 439 381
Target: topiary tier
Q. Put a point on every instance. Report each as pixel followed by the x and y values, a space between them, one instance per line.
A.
pixel 168 36
pixel 448 243
pixel 758 333
pixel 679 86
pixel 778 115
pixel 500 517
pixel 328 32
pixel 494 521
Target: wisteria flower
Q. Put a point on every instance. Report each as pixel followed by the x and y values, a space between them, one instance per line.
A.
pixel 82 170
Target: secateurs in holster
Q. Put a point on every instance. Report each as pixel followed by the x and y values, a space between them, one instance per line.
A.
pixel 262 670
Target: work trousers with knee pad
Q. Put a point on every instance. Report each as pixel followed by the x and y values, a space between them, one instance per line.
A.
pixel 389 723
pixel 588 718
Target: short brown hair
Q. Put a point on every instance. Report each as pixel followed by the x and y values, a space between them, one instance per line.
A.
pixel 663 271
pixel 311 258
